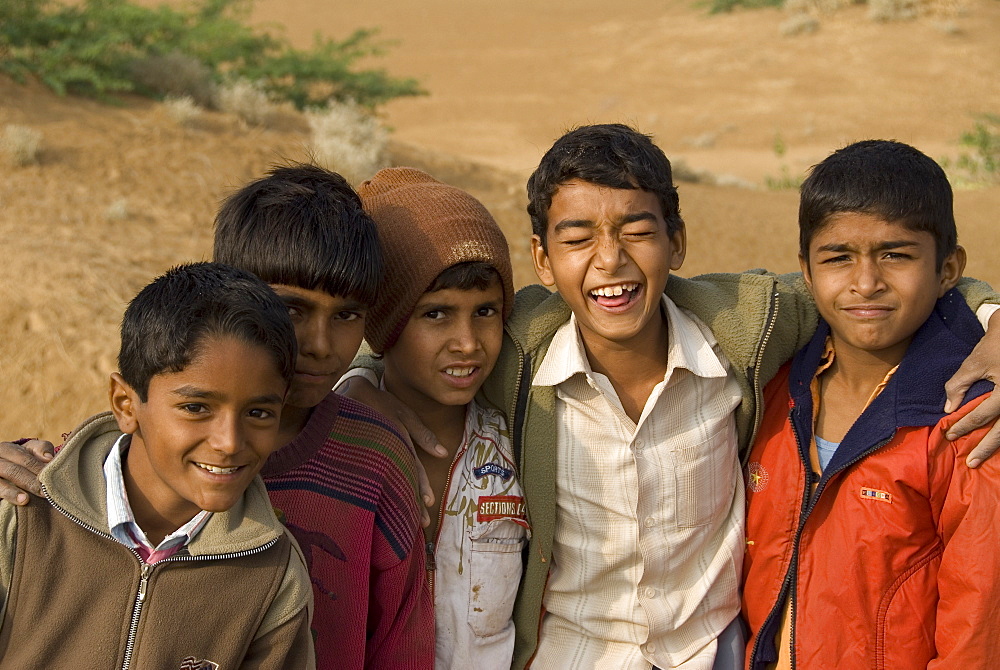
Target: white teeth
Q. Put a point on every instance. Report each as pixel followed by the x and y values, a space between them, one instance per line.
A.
pixel 216 470
pixel 613 291
pixel 459 372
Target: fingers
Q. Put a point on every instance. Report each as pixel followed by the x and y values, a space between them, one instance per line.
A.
pixel 987 411
pixel 426 494
pixel 986 448
pixel 422 436
pixel 956 387
pixel 19 468
pixel 42 452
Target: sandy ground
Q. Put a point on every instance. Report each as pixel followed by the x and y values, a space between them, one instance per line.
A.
pixel 121 193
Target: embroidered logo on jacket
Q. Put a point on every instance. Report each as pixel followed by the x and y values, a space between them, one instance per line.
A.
pixel 757 477
pixel 493 469
pixel 192 663
pixel 500 507
pixel 875 494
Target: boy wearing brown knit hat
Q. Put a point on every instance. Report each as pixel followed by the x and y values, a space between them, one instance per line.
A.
pixel 438 324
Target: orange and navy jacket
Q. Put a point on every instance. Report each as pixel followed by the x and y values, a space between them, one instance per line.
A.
pixel 891 558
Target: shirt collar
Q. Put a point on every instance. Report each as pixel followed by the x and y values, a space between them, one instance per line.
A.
pixel 121 520
pixel 829 353
pixel 690 346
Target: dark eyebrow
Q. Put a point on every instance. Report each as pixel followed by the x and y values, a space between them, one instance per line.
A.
pixel 292 299
pixel 566 224
pixel 884 246
pixel 585 223
pixel 194 392
pixel 352 305
pixel 638 216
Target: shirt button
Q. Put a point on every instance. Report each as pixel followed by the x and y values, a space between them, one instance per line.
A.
pixel 650 592
pixel 639 444
pixel 650 648
pixel 649 522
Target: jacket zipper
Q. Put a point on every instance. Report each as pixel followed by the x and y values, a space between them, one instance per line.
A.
pixel 518 417
pixel 430 546
pixel 147 570
pixel 758 404
pixel 809 501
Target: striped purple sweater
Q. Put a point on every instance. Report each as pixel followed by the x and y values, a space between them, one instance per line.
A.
pixel 346 486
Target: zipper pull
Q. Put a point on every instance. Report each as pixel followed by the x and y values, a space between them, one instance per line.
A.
pixel 144 581
pixel 429 550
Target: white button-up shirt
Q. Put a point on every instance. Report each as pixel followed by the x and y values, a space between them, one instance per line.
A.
pixel 478 549
pixel 649 528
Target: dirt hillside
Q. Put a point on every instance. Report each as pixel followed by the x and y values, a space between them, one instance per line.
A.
pixel 121 193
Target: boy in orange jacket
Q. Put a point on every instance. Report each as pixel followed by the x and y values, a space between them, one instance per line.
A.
pixel 870 543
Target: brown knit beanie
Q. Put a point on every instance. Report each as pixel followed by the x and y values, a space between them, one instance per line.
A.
pixel 425 227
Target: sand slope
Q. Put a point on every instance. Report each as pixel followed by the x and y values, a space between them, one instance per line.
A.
pixel 123 192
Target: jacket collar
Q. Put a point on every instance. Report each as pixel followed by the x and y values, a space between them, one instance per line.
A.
pixel 74 482
pixel 914 396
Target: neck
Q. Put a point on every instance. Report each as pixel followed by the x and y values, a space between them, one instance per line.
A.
pixel 862 370
pixel 447 422
pixel 634 366
pixel 293 420
pixel 156 517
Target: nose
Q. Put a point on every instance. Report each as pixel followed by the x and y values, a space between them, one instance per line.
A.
pixel 868 281
pixel 314 338
pixel 610 254
pixel 464 338
pixel 227 434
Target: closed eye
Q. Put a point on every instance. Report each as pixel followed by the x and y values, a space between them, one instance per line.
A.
pixel 836 259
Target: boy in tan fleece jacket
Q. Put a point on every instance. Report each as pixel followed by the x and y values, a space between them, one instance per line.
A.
pixel 160 548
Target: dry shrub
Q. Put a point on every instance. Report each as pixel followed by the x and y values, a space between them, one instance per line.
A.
pixel 246 100
pixel 176 75
pixel 184 110
pixel 20 144
pixel 348 139
pixel 799 24
pixel 893 10
pixel 118 210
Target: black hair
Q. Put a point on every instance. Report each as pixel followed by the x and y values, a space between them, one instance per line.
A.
pixel 612 155
pixel 167 323
pixel 304 226
pixel 466 276
pixel 883 178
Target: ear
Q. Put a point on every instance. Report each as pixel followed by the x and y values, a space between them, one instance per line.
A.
pixel 804 266
pixel 540 258
pixel 951 270
pixel 678 248
pixel 124 404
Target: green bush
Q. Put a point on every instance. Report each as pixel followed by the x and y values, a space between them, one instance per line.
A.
pixel 98 47
pixel 978 162
pixel 983 163
pixel 719 6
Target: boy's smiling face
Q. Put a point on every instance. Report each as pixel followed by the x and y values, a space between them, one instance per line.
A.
pixel 447 348
pixel 329 330
pixel 876 282
pixel 202 434
pixel 609 254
